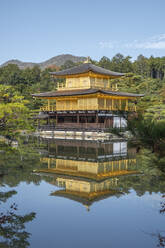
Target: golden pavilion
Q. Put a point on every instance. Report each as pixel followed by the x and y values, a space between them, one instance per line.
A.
pixel 96 161
pixel 86 171
pixel 86 100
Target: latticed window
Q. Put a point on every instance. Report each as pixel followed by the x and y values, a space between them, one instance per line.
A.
pixel 70 84
pixel 109 104
pixel 105 82
pixel 92 81
pixel 68 103
pixel 116 104
pixel 101 103
pixel 123 104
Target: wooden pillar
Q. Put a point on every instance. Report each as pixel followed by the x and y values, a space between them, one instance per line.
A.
pixel 78 151
pixel 97 120
pixel 112 166
pixel 119 104
pixel 112 104
pixel 119 165
pixel 126 164
pixel 104 103
pixel 109 84
pixel 86 123
pixel 111 121
pixel 48 163
pixel 105 168
pixel 135 108
pixel 78 118
pixel 126 106
pixel 56 119
pixel 105 121
pixel 48 145
pixel 48 105
pixel 56 149
pixel 96 152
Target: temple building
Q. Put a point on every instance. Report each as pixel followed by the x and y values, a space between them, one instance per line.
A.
pixel 95 162
pixel 86 100
pixel 87 173
pixel 85 191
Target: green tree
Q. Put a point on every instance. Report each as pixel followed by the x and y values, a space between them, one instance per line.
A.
pixel 148 130
pixel 105 62
pixel 141 65
pixel 11 75
pixel 14 113
pixel 68 64
pixel 12 225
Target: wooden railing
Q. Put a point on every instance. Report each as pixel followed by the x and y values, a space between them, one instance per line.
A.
pixel 50 108
pixel 63 87
pixel 53 108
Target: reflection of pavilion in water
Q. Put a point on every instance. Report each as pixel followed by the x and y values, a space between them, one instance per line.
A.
pixel 89 173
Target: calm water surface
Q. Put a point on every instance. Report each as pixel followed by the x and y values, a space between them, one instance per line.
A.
pixel 84 194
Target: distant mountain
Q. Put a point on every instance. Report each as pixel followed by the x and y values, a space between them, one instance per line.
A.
pixel 55 61
pixel 21 65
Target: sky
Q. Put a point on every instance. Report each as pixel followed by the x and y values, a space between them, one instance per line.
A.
pixel 36 30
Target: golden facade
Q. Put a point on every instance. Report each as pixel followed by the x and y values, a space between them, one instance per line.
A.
pixel 89 177
pixel 86 93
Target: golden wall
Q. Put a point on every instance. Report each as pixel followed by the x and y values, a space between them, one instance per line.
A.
pixel 87 103
pixel 94 167
pixel 92 103
pixel 86 83
pixel 86 187
pixel 66 105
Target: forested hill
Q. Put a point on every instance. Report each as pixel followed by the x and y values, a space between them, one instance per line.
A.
pixel 153 67
pixel 54 61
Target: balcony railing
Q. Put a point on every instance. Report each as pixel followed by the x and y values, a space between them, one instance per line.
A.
pixel 96 85
pixel 61 86
pixel 50 108
pixel 53 108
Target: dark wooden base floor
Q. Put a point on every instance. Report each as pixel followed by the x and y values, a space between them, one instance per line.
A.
pixel 77 121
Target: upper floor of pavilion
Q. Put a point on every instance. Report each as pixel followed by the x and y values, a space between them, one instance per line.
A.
pixel 85 76
pixel 88 87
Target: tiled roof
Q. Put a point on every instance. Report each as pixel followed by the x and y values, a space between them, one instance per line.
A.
pixel 87 67
pixel 85 92
pixel 87 200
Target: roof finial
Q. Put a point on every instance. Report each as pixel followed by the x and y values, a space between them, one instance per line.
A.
pixel 88 60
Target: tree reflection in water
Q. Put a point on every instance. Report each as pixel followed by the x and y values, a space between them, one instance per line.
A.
pixel 162 210
pixel 160 236
pixel 12 225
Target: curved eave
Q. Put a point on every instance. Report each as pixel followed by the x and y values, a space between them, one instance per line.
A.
pixel 88 176
pixel 84 69
pixel 70 93
pixel 87 74
pixel 86 199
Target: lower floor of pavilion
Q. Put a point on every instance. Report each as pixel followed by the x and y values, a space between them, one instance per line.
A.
pixel 80 120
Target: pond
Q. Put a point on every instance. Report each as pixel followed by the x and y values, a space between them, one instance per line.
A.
pixel 80 194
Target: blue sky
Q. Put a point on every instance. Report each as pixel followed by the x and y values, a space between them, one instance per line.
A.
pixel 36 30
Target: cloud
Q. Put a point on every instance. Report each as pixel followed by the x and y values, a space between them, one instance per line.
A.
pixel 151 45
pixel 106 44
pixel 155 42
